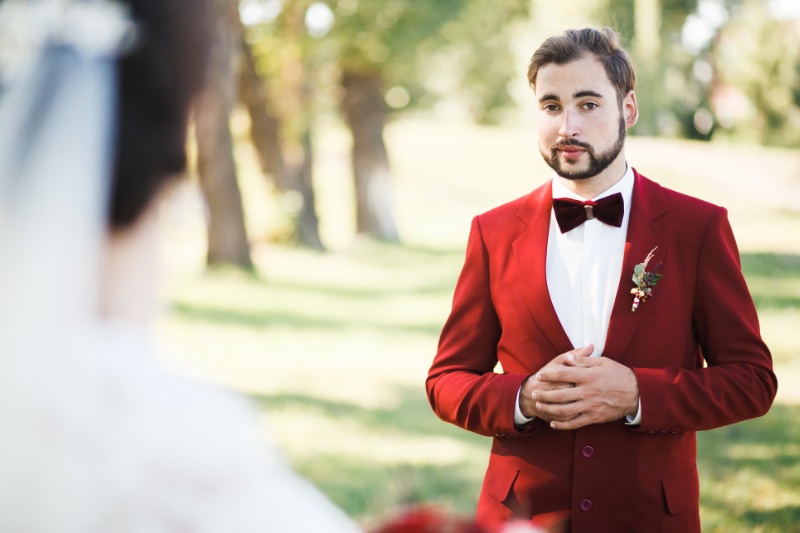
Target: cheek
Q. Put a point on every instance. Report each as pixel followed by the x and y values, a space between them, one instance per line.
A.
pixel 608 126
pixel 547 129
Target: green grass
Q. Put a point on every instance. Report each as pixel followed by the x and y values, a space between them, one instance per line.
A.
pixel 335 347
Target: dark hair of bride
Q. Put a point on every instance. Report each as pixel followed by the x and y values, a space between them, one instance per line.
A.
pixel 158 79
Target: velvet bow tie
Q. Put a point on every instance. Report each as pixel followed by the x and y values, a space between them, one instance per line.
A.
pixel 572 213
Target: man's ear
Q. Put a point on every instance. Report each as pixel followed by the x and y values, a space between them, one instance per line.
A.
pixel 630 109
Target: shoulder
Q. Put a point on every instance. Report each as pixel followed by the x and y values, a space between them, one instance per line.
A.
pixel 516 212
pixel 678 203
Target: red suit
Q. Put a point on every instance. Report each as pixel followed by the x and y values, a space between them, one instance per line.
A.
pixel 694 346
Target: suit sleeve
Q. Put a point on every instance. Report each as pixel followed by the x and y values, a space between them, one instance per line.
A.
pixel 737 381
pixel 462 387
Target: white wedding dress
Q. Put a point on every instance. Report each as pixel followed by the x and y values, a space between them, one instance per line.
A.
pixel 95 437
pixel 120 446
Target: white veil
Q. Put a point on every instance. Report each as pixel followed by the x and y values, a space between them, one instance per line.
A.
pixel 94 436
pixel 56 122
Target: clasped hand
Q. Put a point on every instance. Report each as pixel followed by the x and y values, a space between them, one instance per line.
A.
pixel 575 390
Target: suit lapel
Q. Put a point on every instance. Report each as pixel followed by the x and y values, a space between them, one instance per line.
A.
pixel 530 254
pixel 645 232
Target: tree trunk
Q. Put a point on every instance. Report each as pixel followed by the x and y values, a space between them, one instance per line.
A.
pixel 264 126
pixel 647 53
pixel 301 181
pixel 227 237
pixel 365 113
pixel 296 113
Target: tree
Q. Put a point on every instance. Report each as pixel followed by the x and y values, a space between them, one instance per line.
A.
pixel 479 51
pixel 227 237
pixel 365 112
pixel 278 68
pixel 264 123
pixel 759 58
pixel 379 49
pixel 652 31
pixel 380 45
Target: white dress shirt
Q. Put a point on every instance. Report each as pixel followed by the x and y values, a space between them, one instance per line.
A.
pixel 583 271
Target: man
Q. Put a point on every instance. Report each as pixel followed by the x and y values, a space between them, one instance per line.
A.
pixel 605 378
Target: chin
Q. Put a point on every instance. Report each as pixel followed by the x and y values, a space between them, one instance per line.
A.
pixel 575 177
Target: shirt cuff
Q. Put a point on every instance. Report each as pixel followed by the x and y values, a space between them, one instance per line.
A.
pixel 519 418
pixel 629 420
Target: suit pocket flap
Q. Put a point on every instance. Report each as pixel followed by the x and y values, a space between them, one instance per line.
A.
pixel 500 478
pixel 682 491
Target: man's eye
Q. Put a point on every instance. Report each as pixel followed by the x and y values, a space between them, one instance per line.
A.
pixel 551 107
pixel 589 105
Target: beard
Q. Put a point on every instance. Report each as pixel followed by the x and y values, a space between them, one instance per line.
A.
pixel 597 162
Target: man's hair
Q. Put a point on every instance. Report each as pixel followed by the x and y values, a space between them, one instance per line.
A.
pixel 157 82
pixel 574 44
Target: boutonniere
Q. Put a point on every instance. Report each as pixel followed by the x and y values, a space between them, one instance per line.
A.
pixel 645 281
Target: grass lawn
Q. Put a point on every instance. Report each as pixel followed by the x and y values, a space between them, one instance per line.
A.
pixel 335 346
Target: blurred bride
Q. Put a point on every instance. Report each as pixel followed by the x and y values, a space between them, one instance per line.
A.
pixel 94 435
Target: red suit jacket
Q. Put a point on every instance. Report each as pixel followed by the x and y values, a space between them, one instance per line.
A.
pixel 695 348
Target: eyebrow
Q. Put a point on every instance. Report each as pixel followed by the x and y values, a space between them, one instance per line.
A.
pixel 579 94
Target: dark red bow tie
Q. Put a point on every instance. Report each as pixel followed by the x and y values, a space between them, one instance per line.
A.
pixel 572 213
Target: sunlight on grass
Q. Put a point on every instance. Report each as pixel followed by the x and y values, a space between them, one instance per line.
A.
pixel 301 427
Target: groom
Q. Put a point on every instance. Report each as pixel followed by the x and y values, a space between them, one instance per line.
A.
pixel 617 311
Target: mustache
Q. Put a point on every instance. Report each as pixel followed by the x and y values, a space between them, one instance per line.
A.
pixel 570 142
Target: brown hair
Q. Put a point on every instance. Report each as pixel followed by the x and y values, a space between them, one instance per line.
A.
pixel 573 44
pixel 157 81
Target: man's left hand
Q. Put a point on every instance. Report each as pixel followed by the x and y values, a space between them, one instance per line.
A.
pixel 604 391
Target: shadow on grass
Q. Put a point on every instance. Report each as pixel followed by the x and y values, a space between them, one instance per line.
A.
pixel 765 450
pixel 367 488
pixel 389 252
pixel 771 265
pixel 265 319
pixel 411 416
pixel 778 269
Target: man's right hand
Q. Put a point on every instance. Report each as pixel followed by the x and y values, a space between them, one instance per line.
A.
pixel 526 404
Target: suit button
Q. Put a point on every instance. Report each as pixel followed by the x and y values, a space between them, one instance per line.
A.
pixel 585 504
pixel 587 451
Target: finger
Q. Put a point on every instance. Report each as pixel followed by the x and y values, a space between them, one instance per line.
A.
pixel 552 385
pixel 577 422
pixel 560 411
pixel 564 357
pixel 579 356
pixel 556 396
pixel 563 374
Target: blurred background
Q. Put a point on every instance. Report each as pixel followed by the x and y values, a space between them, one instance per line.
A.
pixel 341 149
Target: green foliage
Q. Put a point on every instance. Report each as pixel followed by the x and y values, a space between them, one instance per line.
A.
pixel 753 87
pixel 673 16
pixel 483 63
pixel 410 44
pixel 382 35
pixel 760 57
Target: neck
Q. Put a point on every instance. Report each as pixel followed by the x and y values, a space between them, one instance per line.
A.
pixel 130 270
pixel 592 187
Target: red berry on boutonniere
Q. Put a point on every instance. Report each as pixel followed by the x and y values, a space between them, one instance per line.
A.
pixel 645 281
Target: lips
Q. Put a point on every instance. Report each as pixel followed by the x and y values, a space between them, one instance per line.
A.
pixel 571 151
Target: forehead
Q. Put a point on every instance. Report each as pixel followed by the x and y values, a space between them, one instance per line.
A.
pixel 584 74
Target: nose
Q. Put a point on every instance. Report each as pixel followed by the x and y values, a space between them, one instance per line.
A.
pixel 569 125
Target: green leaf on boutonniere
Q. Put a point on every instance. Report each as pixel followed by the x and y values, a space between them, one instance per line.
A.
pixel 645 281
